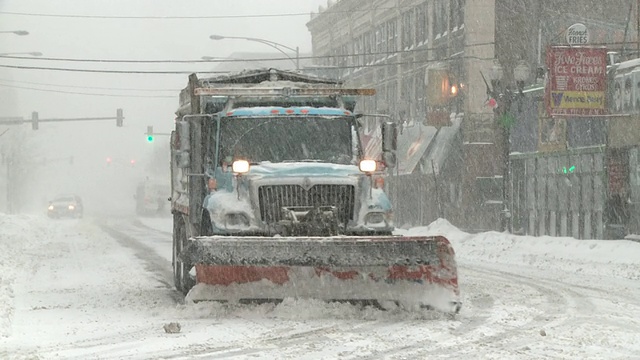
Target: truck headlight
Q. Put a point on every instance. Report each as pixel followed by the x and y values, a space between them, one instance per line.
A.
pixel 240 166
pixel 368 166
pixel 236 220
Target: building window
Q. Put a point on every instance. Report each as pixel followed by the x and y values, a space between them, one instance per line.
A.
pixel 422 24
pixel 440 17
pixel 407 100
pixel 368 46
pixel 360 58
pixel 355 59
pixel 381 98
pixel 456 14
pixel 440 53
pixel 380 39
pixel 335 59
pixel 392 97
pixel 421 100
pixel 392 36
pixel 407 30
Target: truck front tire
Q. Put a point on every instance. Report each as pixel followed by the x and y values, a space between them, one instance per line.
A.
pixel 181 277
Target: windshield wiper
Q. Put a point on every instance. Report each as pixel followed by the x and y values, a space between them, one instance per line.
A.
pixel 305 160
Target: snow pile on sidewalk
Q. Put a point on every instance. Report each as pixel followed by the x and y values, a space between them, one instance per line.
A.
pixel 17 235
pixel 71 269
pixel 615 258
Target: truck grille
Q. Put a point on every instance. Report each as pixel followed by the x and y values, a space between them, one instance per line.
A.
pixel 274 197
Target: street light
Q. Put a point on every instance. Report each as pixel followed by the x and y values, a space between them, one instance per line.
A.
pixel 33 53
pixel 504 97
pixel 273 44
pixel 16 32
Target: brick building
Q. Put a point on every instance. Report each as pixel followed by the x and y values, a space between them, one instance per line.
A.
pixel 399 47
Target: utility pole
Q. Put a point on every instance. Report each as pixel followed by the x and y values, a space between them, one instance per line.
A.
pixel 503 97
pixel 8 185
pixel 11 182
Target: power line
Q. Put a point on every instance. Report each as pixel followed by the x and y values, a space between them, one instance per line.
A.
pixel 88 87
pixel 178 72
pixel 234 60
pixel 196 17
pixel 148 72
pixel 83 93
pixel 119 60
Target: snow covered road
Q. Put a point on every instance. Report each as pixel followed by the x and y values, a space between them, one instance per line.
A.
pixel 71 290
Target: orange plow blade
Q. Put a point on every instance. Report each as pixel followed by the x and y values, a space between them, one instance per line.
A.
pixel 408 271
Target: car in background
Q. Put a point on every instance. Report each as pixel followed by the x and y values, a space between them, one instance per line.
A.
pixel 151 198
pixel 65 206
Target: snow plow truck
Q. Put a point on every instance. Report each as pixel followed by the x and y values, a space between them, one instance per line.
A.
pixel 272 198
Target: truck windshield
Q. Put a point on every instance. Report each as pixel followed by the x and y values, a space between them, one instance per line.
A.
pixel 282 139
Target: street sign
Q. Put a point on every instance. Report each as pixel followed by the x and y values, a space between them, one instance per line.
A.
pixel 577 81
pixel 577 35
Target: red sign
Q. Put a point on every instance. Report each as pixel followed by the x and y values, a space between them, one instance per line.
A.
pixel 577 80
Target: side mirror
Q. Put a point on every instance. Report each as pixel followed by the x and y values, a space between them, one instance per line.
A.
pixel 389 159
pixel 183 139
pixel 389 137
pixel 182 159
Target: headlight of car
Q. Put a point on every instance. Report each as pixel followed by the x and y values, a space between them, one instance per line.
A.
pixel 71 207
pixel 50 208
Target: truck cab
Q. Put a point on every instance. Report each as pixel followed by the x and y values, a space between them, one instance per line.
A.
pixel 268 153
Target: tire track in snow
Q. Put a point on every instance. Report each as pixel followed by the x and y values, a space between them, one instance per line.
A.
pixel 584 300
pixel 280 344
pixel 579 311
pixel 74 255
pixel 256 346
pixel 500 322
pixel 154 263
pixel 139 224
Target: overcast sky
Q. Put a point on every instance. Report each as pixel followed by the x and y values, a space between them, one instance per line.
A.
pixel 133 38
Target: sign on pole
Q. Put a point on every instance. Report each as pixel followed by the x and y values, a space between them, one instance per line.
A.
pixel 577 34
pixel 577 81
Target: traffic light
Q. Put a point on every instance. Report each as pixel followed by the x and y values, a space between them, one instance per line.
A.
pixel 132 162
pixel 149 133
pixel 34 120
pixel 109 160
pixel 119 117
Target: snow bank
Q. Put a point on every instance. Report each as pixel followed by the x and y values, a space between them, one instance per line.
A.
pixel 614 258
pixel 17 234
pixel 69 269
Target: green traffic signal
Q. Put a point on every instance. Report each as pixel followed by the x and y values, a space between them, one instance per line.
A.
pixel 150 138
